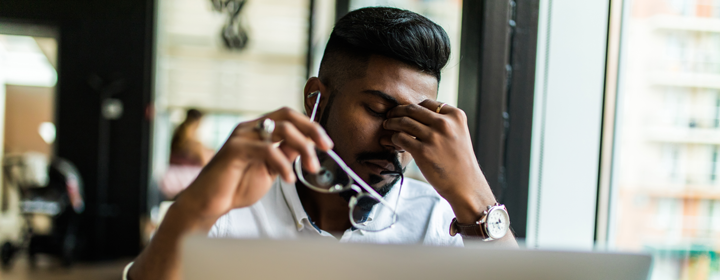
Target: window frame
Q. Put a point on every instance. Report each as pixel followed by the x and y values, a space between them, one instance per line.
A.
pixel 497 88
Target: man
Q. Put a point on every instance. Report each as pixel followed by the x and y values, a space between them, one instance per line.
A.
pixel 378 82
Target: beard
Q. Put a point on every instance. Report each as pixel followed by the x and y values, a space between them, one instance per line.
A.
pixel 367 204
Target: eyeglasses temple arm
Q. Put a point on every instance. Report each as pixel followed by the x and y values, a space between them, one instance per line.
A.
pixel 357 178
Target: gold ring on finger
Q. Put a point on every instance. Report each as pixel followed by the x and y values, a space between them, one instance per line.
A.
pixel 439 107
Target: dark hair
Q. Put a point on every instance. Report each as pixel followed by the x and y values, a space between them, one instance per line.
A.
pixel 398 34
pixel 191 116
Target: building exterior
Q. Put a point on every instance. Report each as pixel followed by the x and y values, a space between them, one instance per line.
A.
pixel 667 179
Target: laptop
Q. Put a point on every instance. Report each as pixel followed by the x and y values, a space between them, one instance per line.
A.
pixel 210 259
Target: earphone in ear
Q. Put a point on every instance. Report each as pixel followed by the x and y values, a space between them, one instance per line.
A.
pixel 311 95
pixel 317 101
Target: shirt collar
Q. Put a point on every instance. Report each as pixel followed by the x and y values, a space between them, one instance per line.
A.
pixel 293 202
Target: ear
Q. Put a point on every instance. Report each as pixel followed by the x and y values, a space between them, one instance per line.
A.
pixel 312 85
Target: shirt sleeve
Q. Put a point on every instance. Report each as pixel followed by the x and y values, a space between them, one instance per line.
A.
pixel 438 231
pixel 219 229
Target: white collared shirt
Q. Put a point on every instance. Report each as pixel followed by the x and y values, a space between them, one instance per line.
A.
pixel 423 217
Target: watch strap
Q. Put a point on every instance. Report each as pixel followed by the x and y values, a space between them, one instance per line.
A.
pixel 467 230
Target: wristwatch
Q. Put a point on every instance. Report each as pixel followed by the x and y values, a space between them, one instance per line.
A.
pixel 493 224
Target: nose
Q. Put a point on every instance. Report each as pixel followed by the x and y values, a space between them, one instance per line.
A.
pixel 387 143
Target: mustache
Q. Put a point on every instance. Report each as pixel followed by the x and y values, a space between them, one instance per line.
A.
pixel 392 157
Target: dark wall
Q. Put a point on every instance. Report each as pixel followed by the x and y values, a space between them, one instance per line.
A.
pixel 105 49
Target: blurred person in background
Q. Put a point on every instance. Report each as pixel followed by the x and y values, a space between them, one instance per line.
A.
pixel 187 156
pixel 185 148
pixel 378 82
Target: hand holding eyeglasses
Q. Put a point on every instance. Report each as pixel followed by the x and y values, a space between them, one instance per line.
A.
pixel 245 167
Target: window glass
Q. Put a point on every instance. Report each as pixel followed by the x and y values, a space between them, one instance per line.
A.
pixel 666 191
pixel 196 70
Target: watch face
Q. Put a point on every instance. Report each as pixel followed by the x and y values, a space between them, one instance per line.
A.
pixel 497 223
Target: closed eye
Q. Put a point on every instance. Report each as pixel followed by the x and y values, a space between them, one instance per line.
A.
pixel 375 113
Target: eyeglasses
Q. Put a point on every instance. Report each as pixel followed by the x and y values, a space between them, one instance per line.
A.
pixel 369 211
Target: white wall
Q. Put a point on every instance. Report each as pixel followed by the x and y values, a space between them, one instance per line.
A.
pixel 567 123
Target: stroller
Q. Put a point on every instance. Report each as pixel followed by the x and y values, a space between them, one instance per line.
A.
pixel 52 193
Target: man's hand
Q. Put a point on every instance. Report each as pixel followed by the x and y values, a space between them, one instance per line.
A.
pixel 245 167
pixel 238 176
pixel 441 146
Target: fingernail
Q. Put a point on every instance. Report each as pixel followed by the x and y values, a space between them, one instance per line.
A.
pixel 291 178
pixel 328 141
pixel 316 166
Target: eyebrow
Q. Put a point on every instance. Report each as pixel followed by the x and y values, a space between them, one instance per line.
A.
pixel 383 95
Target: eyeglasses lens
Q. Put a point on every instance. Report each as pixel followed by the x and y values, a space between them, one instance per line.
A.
pixel 366 212
pixel 361 218
pixel 330 178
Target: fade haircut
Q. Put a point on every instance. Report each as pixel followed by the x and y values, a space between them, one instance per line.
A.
pixel 398 34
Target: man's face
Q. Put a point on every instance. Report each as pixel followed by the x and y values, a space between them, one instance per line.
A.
pixel 355 120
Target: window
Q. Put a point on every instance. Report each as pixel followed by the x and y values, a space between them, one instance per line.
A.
pixel 194 69
pixel 666 190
